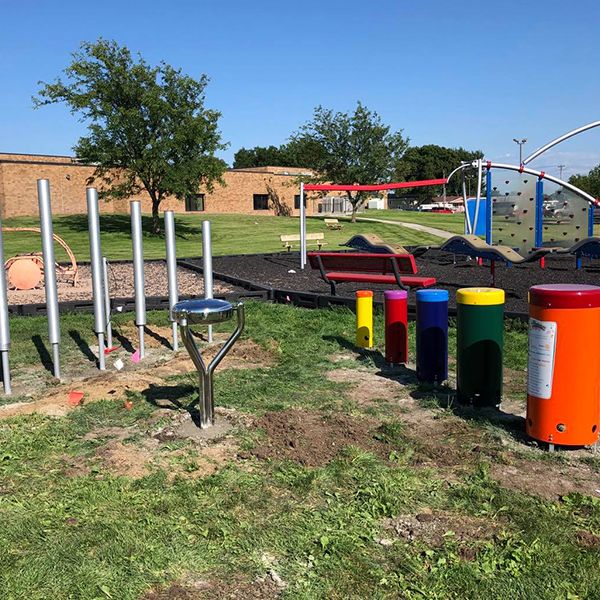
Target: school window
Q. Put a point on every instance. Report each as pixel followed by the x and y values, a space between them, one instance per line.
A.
pixel 194 202
pixel 261 201
pixel 297 201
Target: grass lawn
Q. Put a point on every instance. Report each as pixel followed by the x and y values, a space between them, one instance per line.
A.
pixel 415 507
pixel 232 234
pixel 454 223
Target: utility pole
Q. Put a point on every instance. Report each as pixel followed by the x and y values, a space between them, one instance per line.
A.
pixel 560 170
pixel 521 143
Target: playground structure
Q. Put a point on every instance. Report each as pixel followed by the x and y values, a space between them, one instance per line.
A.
pixel 26 271
pixel 100 288
pixel 206 312
pixel 527 210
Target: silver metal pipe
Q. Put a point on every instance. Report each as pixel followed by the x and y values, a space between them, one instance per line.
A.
pixel 207 268
pixel 302 228
pixel 478 198
pixel 138 272
pixel 56 360
pixel 172 270
pixel 560 139
pixel 6 372
pixel 109 339
pixel 43 189
pixel 465 202
pixel 4 321
pixel 97 271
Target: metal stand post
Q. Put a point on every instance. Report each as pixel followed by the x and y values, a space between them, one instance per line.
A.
pixel 207 267
pixel 4 323
pixel 206 312
pixel 138 273
pixel 97 272
pixel 172 270
pixel 43 189
pixel 109 339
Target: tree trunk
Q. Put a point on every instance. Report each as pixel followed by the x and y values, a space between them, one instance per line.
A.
pixel 155 217
pixel 354 203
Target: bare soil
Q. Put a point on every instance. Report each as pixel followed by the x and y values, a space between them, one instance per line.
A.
pixel 147 377
pixel 264 588
pixel 314 439
pixel 120 282
pixel 434 527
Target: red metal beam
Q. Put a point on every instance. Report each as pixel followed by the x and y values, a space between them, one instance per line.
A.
pixel 327 187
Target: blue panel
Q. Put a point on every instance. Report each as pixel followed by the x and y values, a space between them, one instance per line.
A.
pixel 480 227
pixel 591 221
pixel 488 206
pixel 539 213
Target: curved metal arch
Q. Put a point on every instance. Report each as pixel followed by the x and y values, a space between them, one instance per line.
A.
pixel 560 139
pixel 530 171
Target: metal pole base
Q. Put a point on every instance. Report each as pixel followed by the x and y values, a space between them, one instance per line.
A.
pixel 101 360
pixel 6 374
pixel 141 346
pixel 175 337
pixel 56 361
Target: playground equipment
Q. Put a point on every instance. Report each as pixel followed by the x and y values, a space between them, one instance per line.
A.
pixel 305 187
pixel 207 269
pixel 364 319
pixel 369 242
pixel 98 283
pixel 206 312
pixel 25 271
pixel 432 335
pixel 563 374
pixel 396 326
pixel 4 324
pixel 43 187
pixel 138 273
pixel 172 270
pixel 527 209
pixel 479 346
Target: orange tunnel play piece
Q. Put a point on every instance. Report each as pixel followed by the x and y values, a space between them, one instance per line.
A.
pixel 563 387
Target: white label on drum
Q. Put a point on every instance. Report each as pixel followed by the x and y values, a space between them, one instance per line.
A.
pixel 542 351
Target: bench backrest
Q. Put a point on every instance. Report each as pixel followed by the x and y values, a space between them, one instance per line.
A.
pixel 360 262
pixel 296 237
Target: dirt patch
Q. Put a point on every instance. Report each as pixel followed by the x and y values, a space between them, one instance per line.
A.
pixel 314 439
pixel 366 387
pixel 434 528
pixel 263 588
pixel 548 479
pixel 586 539
pixel 148 374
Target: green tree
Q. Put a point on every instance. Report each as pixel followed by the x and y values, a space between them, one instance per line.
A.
pixel 259 156
pixel 148 128
pixel 351 148
pixel 433 162
pixel 296 153
pixel 589 183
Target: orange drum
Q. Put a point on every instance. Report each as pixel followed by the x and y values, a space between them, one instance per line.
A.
pixel 563 375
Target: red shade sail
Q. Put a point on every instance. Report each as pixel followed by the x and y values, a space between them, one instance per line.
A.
pixel 328 187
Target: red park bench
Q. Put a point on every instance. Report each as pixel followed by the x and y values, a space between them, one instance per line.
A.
pixel 359 267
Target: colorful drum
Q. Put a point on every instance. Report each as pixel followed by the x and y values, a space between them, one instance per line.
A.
pixel 563 374
pixel 479 346
pixel 364 319
pixel 396 326
pixel 432 335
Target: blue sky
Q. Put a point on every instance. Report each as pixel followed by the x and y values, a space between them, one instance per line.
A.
pixel 472 74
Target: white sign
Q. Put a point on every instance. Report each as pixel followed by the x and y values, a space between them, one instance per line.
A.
pixel 542 351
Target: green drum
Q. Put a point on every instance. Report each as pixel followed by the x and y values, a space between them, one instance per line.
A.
pixel 479 346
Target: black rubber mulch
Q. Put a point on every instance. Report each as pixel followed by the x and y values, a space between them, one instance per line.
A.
pixel 275 271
